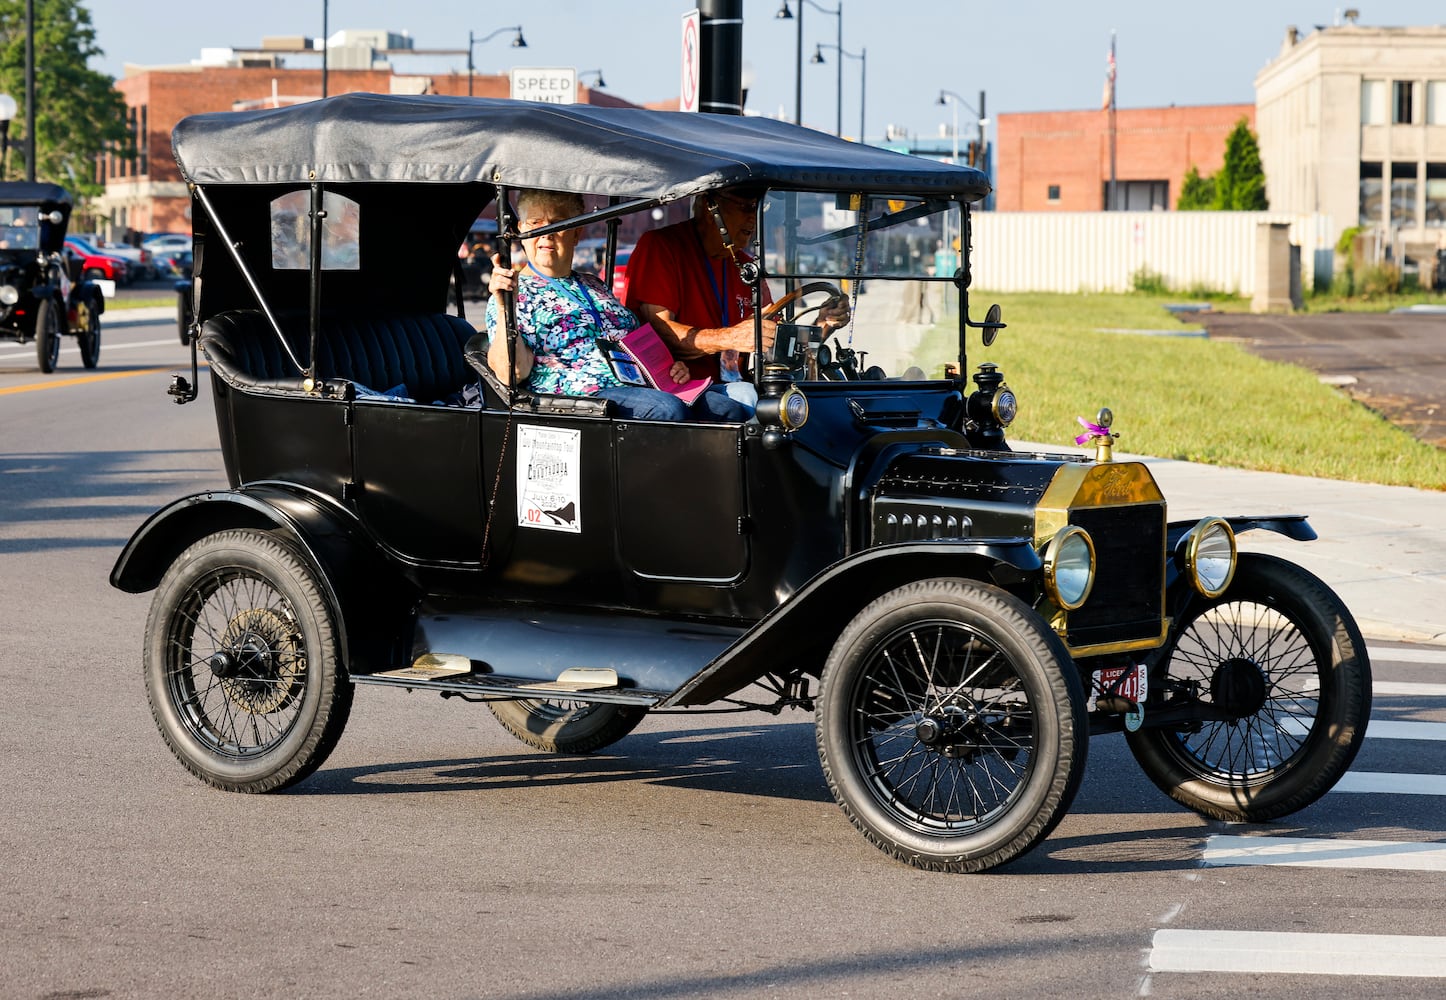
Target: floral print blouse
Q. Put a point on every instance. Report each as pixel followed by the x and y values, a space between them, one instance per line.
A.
pixel 560 320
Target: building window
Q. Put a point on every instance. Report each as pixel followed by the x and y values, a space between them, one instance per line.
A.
pixel 1370 213
pixel 1373 102
pixel 1054 192
pixel 1404 102
pixel 1137 196
pixel 1403 194
pixel 1436 195
pixel 145 128
pixel 1436 102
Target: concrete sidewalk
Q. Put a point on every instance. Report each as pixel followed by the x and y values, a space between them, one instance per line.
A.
pixel 1381 548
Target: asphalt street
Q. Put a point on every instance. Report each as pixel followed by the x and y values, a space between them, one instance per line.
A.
pixel 435 856
pixel 1395 363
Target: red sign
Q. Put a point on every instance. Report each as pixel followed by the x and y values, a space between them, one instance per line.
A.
pixel 688 100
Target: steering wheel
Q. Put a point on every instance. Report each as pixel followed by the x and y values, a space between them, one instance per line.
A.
pixel 835 295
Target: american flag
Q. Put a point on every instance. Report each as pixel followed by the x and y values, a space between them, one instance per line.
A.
pixel 1109 98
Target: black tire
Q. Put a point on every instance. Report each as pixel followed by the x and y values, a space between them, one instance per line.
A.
pixel 951 725
pixel 567 726
pixel 47 335
pixel 93 274
pixel 1281 654
pixel 241 664
pixel 87 332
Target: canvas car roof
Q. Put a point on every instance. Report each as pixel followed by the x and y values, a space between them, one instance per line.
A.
pixel 630 153
pixel 33 193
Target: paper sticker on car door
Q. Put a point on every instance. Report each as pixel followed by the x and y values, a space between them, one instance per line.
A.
pixel 548 477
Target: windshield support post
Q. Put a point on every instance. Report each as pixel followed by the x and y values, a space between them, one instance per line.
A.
pixel 505 228
pixel 318 218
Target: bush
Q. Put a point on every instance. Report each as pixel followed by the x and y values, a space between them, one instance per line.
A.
pixel 1148 281
pixel 1379 280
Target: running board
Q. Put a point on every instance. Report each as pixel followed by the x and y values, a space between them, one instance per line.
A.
pixel 491 687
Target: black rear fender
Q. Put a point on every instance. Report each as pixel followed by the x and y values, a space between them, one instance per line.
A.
pixel 371 601
pixel 802 630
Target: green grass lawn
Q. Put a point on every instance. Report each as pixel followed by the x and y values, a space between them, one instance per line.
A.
pixel 1186 398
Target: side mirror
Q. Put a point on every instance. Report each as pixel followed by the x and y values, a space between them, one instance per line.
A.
pixel 992 326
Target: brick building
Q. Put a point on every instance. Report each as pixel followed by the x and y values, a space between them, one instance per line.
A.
pixel 1060 160
pixel 144 190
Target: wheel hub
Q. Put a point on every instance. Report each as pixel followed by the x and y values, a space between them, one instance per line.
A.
pixel 260 664
pixel 1239 687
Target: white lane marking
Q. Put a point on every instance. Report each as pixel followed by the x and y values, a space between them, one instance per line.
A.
pixel 1433 654
pixel 104 347
pixel 1391 783
pixel 1299 954
pixel 1385 730
pixel 1409 688
pixel 1307 852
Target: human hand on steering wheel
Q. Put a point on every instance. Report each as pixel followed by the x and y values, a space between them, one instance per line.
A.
pixel 833 311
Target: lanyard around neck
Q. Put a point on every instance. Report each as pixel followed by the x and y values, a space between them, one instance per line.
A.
pixel 585 299
pixel 719 295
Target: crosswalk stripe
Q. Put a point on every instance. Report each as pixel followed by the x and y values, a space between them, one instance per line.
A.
pixel 1307 852
pixel 1180 950
pixel 1391 783
pixel 1419 654
pixel 1409 688
pixel 1388 730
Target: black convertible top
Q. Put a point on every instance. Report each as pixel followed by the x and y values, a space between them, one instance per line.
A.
pixel 32 193
pixel 626 152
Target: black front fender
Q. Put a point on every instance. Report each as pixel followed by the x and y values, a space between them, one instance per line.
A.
pixel 371 601
pixel 801 631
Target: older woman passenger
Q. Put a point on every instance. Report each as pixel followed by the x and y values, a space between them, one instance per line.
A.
pixel 562 314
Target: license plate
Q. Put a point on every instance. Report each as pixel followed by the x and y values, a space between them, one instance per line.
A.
pixel 1135 684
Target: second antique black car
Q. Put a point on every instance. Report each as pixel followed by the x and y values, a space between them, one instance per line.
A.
pixel 40 299
pixel 960 616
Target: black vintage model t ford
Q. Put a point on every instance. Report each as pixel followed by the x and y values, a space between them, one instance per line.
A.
pixel 961 616
pixel 40 299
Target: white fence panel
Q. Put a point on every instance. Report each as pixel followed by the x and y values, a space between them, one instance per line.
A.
pixel 1102 251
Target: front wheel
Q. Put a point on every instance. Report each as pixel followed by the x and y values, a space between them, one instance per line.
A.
pixel 566 726
pixel 951 725
pixel 1280 670
pixel 242 667
pixel 47 335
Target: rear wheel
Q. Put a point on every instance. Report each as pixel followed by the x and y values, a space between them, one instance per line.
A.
pixel 951 725
pixel 566 726
pixel 242 667
pixel 47 335
pixel 93 274
pixel 1280 662
pixel 87 331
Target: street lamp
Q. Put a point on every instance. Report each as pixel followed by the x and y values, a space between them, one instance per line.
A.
pixel 949 97
pixel 518 42
pixel 601 84
pixel 784 14
pixel 8 107
pixel 863 58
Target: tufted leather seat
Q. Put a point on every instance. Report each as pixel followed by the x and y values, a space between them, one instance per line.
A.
pixel 422 352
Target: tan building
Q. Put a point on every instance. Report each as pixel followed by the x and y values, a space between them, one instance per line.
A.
pixel 1352 124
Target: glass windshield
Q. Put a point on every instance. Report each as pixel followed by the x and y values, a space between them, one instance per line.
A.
pixel 893 259
pixel 19 227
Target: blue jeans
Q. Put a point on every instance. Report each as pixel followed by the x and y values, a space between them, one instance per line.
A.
pixel 713 406
pixel 645 404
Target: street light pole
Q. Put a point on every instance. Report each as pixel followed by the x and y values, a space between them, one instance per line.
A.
pixel 324 31
pixel 949 97
pixel 472 42
pixel 863 57
pixel 785 14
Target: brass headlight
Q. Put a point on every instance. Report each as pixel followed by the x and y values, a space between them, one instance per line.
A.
pixel 1210 556
pixel 1069 567
pixel 9 295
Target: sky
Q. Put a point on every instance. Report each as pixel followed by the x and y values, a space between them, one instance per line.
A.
pixel 1025 56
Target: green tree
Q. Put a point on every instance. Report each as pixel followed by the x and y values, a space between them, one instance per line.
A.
pixel 1197 193
pixel 1240 184
pixel 78 112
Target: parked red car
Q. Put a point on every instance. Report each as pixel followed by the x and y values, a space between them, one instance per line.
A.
pixel 95 264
